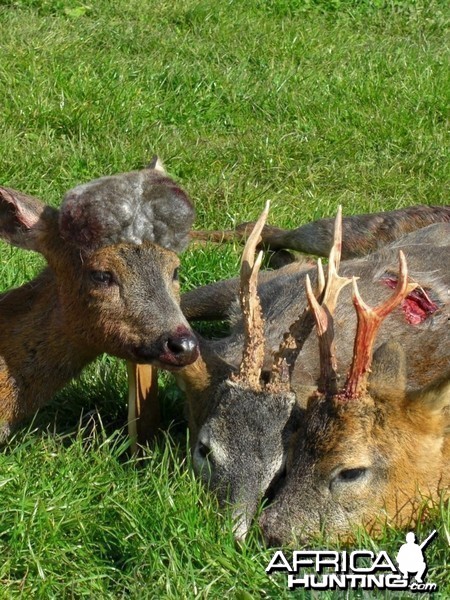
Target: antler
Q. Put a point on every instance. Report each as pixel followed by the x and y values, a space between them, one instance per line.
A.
pixel 253 356
pixel 323 313
pixel 369 321
pixel 293 342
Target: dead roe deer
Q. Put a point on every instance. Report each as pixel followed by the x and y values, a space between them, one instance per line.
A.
pixel 242 411
pixel 111 285
pixel 370 452
pixel 362 235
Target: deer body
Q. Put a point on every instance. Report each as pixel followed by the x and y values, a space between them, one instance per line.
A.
pixel 283 298
pixel 244 436
pixel 95 296
pixel 31 345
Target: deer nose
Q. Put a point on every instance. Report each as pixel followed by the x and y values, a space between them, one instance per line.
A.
pixel 183 347
pixel 270 537
pixel 176 350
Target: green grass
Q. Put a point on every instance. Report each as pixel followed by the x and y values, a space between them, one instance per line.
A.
pixel 308 103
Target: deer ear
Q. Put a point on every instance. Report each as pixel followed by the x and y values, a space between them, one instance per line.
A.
pixel 157 165
pixel 388 372
pixel 22 219
pixel 435 396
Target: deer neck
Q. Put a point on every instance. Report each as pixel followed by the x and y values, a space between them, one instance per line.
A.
pixel 37 354
pixel 198 381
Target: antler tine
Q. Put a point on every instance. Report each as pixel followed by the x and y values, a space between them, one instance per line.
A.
pixel 253 355
pixel 318 311
pixel 325 330
pixel 320 278
pixel 292 343
pixel 335 282
pixel 323 313
pixel 368 322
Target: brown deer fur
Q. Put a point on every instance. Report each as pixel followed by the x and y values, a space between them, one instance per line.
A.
pixel 367 461
pixel 95 295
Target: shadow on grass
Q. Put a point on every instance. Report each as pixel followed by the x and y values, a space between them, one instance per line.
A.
pixel 97 401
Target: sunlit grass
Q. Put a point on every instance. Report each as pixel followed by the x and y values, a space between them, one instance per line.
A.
pixel 308 103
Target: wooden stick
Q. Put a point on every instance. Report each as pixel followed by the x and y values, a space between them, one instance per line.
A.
pixel 143 404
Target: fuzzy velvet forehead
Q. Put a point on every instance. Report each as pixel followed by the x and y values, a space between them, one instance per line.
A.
pixel 131 207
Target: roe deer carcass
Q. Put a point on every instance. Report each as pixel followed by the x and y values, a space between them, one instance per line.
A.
pixel 240 424
pixel 370 452
pixel 111 285
pixel 362 235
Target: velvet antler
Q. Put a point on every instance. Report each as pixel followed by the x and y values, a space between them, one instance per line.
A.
pixel 249 372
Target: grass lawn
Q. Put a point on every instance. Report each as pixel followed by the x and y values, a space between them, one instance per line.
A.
pixel 309 103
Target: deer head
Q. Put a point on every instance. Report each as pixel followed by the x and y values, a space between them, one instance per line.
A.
pixel 241 446
pixel 369 453
pixel 112 249
pixel 111 284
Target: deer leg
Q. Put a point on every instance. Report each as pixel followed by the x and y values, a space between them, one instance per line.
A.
pixel 362 234
pixel 10 412
pixel 5 432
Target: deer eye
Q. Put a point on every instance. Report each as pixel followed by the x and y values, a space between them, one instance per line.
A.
pixel 104 278
pixel 351 474
pixel 176 274
pixel 203 450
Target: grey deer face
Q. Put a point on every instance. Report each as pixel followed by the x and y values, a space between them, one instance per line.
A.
pixel 127 229
pixel 127 303
pixel 241 448
pixel 242 444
